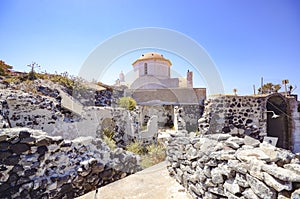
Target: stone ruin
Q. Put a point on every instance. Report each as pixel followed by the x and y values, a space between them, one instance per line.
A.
pixel 46 110
pixel 35 165
pixel 252 116
pixel 51 159
pixel 228 157
pixel 227 160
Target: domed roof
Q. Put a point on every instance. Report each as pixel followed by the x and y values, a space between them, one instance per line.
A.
pixel 152 56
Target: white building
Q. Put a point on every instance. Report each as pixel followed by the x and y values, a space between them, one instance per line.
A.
pixel 153 71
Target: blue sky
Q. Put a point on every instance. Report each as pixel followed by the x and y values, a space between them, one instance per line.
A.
pixel 246 39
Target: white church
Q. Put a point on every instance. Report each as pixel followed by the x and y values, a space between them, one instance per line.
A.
pixel 154 83
pixel 153 71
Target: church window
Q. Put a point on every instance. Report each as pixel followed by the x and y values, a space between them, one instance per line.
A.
pixel 145 69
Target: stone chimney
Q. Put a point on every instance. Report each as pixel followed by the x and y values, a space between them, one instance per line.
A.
pixel 189 79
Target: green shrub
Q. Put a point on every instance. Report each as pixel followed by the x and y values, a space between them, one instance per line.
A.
pixel 63 80
pixel 12 80
pixel 150 155
pixel 156 153
pixel 127 102
pixel 108 133
pixel 136 147
pixel 110 142
pixel 4 68
pixel 32 75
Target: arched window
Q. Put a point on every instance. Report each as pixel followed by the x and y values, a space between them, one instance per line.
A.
pixel 145 69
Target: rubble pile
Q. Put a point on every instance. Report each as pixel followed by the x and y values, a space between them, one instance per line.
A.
pixel 226 166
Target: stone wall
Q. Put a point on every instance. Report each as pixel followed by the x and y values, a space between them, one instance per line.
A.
pixel 29 110
pixel 186 117
pixel 252 115
pixel 35 165
pixel 180 117
pixel 165 114
pixel 294 123
pixel 45 113
pixel 91 123
pixel 235 115
pixel 223 166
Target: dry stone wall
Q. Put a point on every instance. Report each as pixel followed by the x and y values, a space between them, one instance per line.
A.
pixel 226 166
pixel 235 115
pixel 35 165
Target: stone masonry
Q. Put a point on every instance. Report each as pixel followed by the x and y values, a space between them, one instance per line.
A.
pixel 35 165
pixel 224 166
pixel 248 115
pixel 235 115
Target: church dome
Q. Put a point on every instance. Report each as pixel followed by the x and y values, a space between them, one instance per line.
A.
pixel 152 56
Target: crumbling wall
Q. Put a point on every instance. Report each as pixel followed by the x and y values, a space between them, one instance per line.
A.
pixel 169 116
pixel 35 165
pixel 44 113
pixel 164 113
pixel 186 117
pixel 224 166
pixel 29 110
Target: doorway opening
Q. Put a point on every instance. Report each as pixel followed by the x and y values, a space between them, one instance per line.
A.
pixel 278 127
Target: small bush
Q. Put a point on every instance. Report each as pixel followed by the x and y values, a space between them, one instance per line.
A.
pixel 136 147
pixel 156 153
pixel 127 102
pixel 108 133
pixel 110 142
pixel 10 80
pixel 32 75
pixel 150 155
pixel 63 80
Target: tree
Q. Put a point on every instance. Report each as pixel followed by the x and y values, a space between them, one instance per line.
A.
pixel 4 68
pixel 269 88
pixel 31 74
pixel 127 102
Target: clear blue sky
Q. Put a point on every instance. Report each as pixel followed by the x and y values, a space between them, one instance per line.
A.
pixel 246 39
